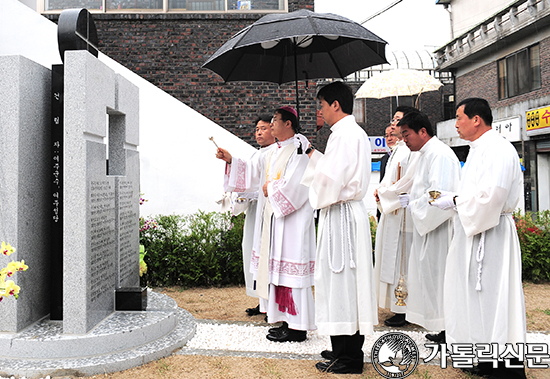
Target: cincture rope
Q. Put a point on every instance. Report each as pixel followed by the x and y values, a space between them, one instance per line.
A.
pixel 481 254
pixel 479 258
pixel 346 232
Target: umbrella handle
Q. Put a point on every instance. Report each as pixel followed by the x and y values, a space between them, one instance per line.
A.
pixel 297 93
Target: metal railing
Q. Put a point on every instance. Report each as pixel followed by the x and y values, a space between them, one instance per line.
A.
pixel 516 15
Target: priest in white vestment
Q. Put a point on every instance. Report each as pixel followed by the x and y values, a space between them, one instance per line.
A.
pixel 437 168
pixel 484 300
pixel 247 202
pixel 283 255
pixel 391 256
pixel 345 297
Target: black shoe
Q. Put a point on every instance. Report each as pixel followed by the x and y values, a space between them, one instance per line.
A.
pixel 253 311
pixel 476 370
pixel 397 320
pixel 437 338
pixel 337 368
pixel 327 354
pixel 278 329
pixel 288 335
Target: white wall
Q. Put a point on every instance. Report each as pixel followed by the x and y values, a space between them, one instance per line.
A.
pixel 446 132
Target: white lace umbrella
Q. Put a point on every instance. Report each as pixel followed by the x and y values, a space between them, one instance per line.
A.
pixel 398 82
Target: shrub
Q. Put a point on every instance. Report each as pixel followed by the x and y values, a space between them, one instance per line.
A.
pixel 202 249
pixel 534 238
pixel 373 227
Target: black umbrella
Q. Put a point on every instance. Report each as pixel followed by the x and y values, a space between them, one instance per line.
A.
pixel 302 45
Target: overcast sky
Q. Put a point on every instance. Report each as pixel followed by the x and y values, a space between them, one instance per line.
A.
pixel 409 25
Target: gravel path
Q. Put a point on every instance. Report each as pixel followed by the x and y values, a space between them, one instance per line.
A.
pixel 252 339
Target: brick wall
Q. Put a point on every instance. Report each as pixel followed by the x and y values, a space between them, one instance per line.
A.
pixel 483 82
pixel 379 111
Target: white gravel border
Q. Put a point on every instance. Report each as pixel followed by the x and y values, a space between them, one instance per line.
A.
pixel 252 338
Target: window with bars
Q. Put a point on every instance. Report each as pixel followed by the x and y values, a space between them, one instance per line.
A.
pixel 167 5
pixel 519 73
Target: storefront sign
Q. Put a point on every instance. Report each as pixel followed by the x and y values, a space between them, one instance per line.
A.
pixel 509 128
pixel 538 121
pixel 378 145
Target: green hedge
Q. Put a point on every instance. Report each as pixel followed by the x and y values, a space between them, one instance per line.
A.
pixel 203 249
pixel 534 238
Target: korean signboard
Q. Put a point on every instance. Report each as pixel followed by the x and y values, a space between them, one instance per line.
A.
pixel 509 128
pixel 378 145
pixel 538 121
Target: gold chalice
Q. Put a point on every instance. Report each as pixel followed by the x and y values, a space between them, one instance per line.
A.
pixel 434 195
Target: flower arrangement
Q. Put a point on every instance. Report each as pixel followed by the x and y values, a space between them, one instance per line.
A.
pixel 8 287
pixel 142 264
pixel 144 225
pixel 142 200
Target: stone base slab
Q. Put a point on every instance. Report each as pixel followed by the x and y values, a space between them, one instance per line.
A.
pixel 121 341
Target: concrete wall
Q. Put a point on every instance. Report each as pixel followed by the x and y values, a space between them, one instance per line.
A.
pixel 25 169
pixel 468 13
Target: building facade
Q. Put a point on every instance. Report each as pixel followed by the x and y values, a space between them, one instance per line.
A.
pixel 501 55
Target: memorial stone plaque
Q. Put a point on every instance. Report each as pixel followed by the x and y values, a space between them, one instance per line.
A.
pixel 101 221
pixel 101 190
pixel 128 233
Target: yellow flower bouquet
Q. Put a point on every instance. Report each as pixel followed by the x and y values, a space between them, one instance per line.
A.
pixel 8 287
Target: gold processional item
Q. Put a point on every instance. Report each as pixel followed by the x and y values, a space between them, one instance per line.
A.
pixel 400 291
pixel 398 177
pixel 212 139
pixel 434 195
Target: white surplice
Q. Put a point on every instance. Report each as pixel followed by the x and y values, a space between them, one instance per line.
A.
pixel 345 297
pixel 389 234
pixel 247 202
pixel 291 250
pixel 437 168
pixel 490 190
